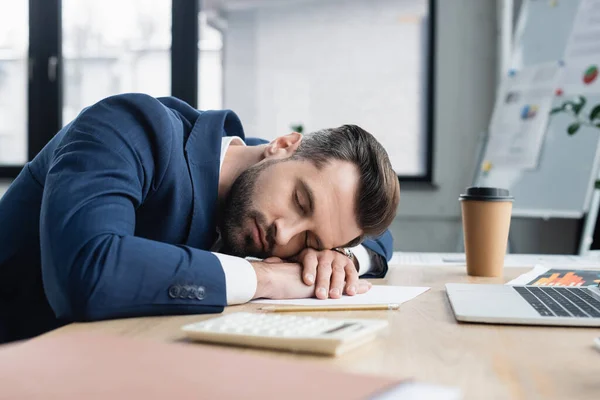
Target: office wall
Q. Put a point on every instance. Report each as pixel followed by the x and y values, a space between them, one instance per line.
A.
pixel 466 60
pixel 321 63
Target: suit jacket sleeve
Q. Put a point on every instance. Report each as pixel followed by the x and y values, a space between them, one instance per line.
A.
pixel 380 249
pixel 252 141
pixel 93 266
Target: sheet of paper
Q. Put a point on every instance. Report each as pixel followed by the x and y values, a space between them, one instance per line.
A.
pixel 510 260
pixel 529 276
pixel 414 258
pixel 377 295
pixel 580 76
pixel 544 276
pixel 550 260
pixel 584 40
pixel 518 123
pixel 418 391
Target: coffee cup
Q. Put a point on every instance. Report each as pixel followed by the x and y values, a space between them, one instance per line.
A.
pixel 486 214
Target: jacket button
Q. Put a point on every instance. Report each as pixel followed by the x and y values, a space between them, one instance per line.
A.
pixel 192 292
pixel 200 293
pixel 183 293
pixel 174 291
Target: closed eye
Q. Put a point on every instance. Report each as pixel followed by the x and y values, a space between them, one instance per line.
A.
pixel 298 204
pixel 304 212
pixel 316 243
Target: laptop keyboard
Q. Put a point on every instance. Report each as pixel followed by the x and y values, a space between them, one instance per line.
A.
pixel 560 301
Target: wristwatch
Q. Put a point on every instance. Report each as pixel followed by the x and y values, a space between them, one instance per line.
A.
pixel 348 253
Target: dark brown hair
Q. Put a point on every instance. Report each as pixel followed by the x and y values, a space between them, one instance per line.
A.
pixel 378 189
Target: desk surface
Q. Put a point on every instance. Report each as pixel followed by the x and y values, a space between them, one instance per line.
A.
pixel 425 342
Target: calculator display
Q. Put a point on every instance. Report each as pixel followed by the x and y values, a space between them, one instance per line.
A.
pixel 339 328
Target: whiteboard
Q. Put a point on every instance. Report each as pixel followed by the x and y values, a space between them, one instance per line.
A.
pixel 562 184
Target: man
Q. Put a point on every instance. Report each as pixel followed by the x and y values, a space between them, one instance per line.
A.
pixel 145 206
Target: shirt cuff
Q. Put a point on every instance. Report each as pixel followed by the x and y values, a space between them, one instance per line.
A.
pixel 364 259
pixel 240 279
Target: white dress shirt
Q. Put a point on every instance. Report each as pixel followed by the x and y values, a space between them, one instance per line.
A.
pixel 240 278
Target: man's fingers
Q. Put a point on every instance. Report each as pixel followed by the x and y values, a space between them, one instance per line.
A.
pixel 323 277
pixel 363 286
pixel 351 278
pixel 309 264
pixel 272 260
pixel 338 275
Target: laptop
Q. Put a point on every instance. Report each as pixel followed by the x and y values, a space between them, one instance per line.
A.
pixel 525 305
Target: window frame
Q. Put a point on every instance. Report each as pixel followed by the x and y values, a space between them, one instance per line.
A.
pixel 43 89
pixel 44 94
pixel 429 100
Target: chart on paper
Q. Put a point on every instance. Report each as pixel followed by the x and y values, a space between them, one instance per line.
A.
pixel 543 276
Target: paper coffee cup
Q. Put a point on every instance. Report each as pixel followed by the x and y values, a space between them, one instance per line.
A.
pixel 486 214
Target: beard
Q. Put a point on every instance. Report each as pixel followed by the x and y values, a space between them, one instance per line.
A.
pixel 237 215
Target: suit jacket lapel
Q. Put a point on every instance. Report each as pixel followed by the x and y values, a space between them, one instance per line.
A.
pixel 202 150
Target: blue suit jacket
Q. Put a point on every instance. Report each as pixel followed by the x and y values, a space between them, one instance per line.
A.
pixel 114 217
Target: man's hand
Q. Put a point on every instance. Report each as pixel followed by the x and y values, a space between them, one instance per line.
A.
pixel 334 274
pixel 277 279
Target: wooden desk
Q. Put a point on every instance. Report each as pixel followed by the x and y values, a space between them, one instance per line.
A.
pixel 425 342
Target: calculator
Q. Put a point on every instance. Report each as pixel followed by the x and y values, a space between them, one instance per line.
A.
pixel 295 333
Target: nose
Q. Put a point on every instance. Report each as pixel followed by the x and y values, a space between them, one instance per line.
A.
pixel 286 231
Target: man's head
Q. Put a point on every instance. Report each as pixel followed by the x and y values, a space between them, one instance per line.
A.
pixel 328 189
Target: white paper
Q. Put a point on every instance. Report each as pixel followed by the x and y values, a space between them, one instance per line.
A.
pixel 580 76
pixel 529 276
pixel 518 124
pixel 422 259
pixel 510 260
pixel 585 36
pixel 419 391
pixel 567 261
pixel 377 295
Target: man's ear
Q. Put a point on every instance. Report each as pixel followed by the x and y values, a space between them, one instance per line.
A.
pixel 283 146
